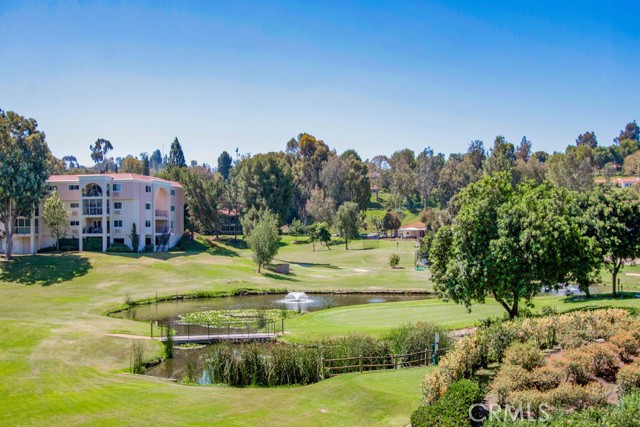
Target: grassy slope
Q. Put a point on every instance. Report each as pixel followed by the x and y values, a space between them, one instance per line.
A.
pixel 58 365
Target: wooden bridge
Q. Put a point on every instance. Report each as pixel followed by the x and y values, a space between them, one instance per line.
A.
pixel 181 333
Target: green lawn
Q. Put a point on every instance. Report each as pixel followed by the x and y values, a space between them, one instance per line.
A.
pixel 60 366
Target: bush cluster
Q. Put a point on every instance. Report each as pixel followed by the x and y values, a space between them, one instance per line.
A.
pixel 628 378
pixel 452 409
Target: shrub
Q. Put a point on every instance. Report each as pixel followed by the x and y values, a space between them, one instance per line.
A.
pixel 436 383
pixel 574 365
pixel 510 378
pixel 576 396
pixel 452 410
pixel 531 402
pixel 546 377
pixel 604 359
pixel 527 355
pixel 625 414
pixel 92 244
pixel 628 378
pixel 626 343
pixel 494 340
pixel 119 248
pixel 394 260
pixel 459 362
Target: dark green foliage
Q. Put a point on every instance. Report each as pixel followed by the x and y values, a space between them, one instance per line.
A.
pixel 92 244
pixel 391 221
pixel 119 248
pixel 452 409
pixel 176 156
pixel 224 164
pixel 135 238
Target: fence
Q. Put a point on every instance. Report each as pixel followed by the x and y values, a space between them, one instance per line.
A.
pixel 372 363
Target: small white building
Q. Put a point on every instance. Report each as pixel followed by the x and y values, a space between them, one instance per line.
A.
pixel 415 230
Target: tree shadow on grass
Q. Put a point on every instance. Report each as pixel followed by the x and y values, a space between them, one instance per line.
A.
pixel 44 270
pixel 276 276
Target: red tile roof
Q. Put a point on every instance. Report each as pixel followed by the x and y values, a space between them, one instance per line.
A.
pixel 117 176
pixel 414 225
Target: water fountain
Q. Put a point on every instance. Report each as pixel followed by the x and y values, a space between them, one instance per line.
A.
pixel 296 297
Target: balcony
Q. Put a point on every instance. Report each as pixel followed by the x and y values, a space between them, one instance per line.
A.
pixel 163 230
pixel 162 213
pixel 92 211
pixel 92 230
pixel 25 230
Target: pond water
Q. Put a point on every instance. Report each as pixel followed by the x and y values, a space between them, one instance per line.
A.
pixel 170 310
pixel 176 367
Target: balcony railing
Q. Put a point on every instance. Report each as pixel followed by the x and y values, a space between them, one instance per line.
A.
pixel 163 213
pixel 92 211
pixel 25 230
pixel 163 230
pixel 92 230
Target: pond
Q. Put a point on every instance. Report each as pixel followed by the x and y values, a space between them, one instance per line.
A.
pixel 176 367
pixel 170 310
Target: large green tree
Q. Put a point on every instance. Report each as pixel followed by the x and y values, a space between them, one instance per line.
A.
pixel 308 155
pixel 54 215
pixel 615 224
pixel 428 170
pixel 266 182
pixel 24 169
pixel 347 220
pixel 176 156
pixel 224 164
pixel 505 243
pixel 322 208
pixel 319 232
pixel 264 240
pixel 99 151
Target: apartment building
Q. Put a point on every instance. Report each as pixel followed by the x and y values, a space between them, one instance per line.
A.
pixel 103 208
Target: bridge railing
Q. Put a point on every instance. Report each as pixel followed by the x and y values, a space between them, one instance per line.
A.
pixel 248 328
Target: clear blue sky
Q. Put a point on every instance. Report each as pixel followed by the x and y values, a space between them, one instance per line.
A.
pixel 374 76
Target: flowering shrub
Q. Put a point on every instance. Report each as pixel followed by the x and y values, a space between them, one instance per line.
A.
pixel 546 377
pixel 628 378
pixel 510 378
pixel 604 359
pixel 527 355
pixel 626 343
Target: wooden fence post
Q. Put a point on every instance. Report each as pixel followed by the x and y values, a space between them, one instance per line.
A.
pixel 360 363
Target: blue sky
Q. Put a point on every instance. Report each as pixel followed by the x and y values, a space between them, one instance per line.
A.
pixel 374 76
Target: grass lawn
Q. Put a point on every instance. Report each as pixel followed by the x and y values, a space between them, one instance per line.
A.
pixel 60 366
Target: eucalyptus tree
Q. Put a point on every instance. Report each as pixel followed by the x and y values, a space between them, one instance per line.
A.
pixel 24 169
pixel 99 151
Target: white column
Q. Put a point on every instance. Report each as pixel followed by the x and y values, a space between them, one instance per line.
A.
pixel 104 218
pixel 32 233
pixel 153 215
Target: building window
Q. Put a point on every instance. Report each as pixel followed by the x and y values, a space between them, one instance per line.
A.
pixel 118 241
pixel 74 223
pixel 147 189
pixel 117 223
pixel 74 187
pixel 173 192
pixel 117 205
pixel 117 187
pixel 52 188
pixel 173 208
pixel 74 205
pixel 37 211
pixel 147 224
pixel 147 206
